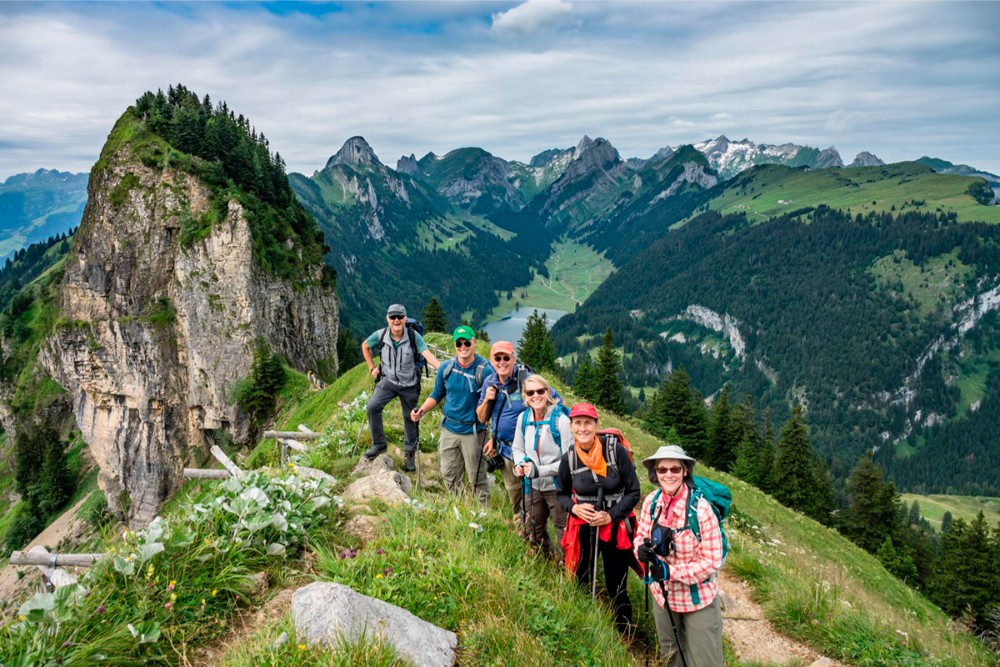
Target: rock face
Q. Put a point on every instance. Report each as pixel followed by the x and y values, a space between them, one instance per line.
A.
pixel 154 335
pixel 326 612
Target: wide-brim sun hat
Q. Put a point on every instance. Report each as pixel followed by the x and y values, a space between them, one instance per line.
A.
pixel 669 452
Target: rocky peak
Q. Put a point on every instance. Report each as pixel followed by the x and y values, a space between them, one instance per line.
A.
pixel 591 153
pixel 585 143
pixel 828 158
pixel 866 159
pixel 408 165
pixel 163 331
pixel 355 152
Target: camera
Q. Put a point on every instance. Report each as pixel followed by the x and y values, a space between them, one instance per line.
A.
pixel 494 463
pixel 662 540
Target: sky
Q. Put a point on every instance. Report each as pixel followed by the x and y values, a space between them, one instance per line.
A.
pixel 899 79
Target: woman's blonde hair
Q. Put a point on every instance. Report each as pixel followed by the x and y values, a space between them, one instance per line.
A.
pixel 542 381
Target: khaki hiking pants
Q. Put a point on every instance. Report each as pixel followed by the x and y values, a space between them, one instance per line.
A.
pixel 700 634
pixel 462 456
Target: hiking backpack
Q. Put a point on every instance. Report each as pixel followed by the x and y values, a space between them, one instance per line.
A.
pixel 560 409
pixel 413 327
pixel 448 368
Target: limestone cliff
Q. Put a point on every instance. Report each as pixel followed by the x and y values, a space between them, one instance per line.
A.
pixel 155 332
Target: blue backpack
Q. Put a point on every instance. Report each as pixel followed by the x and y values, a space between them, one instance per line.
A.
pixel 560 409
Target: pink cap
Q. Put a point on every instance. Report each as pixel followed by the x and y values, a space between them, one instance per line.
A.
pixel 502 346
pixel 583 410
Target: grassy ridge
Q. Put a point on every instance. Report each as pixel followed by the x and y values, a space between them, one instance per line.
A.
pixel 774 190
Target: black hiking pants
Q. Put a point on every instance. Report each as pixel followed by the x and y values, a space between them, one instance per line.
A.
pixel 616 566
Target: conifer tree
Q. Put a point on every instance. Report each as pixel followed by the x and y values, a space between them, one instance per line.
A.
pixel 536 347
pixel 872 514
pixel 795 483
pixel 585 382
pixel 433 316
pixel 609 387
pixel 678 405
pixel 722 448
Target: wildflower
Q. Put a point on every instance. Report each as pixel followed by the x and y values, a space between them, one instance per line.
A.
pixel 168 605
pixel 387 571
pixel 21 617
pixel 150 571
pixel 173 597
pixel 380 551
pixel 302 647
pixel 215 592
pixel 170 586
pixel 378 576
pixel 101 610
pixel 203 602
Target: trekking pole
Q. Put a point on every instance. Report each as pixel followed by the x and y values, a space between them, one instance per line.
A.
pixel 673 625
pixel 596 533
pixel 645 605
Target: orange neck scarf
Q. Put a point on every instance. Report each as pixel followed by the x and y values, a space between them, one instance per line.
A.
pixel 594 459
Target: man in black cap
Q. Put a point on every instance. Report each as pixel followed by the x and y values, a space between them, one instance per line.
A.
pixel 397 375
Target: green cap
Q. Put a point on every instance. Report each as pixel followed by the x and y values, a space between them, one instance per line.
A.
pixel 463 331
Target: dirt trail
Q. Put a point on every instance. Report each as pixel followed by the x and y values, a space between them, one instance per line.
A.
pixel 752 636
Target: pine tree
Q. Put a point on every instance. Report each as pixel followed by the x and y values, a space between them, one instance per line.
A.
pixel 896 562
pixel 677 405
pixel 722 448
pixel 872 515
pixel 795 482
pixel 536 347
pixel 585 382
pixel 433 316
pixel 610 389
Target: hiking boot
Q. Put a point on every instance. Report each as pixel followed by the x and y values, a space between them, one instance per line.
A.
pixel 409 465
pixel 374 451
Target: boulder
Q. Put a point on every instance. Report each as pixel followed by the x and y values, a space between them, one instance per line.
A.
pixel 326 612
pixel 380 463
pixel 390 487
pixel 314 473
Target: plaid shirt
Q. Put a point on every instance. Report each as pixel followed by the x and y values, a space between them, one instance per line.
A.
pixel 694 563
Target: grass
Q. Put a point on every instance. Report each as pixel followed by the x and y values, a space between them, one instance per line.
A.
pixel 933 507
pixel 775 190
pixel 575 271
pixel 934 287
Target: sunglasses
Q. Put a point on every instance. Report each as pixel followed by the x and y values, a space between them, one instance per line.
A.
pixel 461 342
pixel 396 318
pixel 531 392
pixel 501 357
pixel 673 470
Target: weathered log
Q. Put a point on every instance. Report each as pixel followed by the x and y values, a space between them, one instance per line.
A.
pixel 205 473
pixel 53 560
pixel 306 429
pixel 292 434
pixel 292 444
pixel 227 462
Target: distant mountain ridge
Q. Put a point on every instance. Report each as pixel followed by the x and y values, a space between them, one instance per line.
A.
pixel 37 205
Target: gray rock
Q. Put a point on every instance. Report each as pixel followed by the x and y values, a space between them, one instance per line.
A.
pixel 380 463
pixel 325 612
pixel 389 486
pixel 314 473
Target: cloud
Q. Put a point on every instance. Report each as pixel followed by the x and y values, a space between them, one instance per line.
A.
pixel 421 77
pixel 532 16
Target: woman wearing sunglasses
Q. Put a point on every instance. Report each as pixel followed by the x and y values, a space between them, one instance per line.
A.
pixel 681 568
pixel 543 431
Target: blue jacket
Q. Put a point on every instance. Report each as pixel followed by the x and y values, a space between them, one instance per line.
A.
pixel 458 387
pixel 508 406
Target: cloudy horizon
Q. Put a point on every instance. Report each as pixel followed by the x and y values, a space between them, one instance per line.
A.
pixel 898 79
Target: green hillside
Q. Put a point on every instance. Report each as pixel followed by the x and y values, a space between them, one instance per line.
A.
pixel 36 206
pixel 773 190
pixel 448 563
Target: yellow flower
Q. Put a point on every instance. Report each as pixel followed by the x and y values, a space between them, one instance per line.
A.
pixel 378 576
pixel 302 647
pixel 203 602
pixel 173 597
pixel 214 592
pixel 150 571
pixel 21 617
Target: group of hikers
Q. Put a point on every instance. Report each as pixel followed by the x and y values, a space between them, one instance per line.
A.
pixel 558 464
